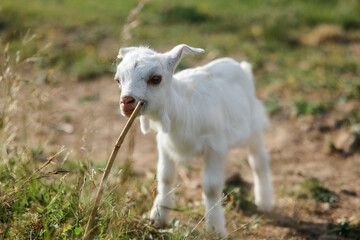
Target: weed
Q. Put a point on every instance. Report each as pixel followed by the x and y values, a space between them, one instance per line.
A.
pixel 304 107
pixel 238 196
pixel 346 229
pixel 318 191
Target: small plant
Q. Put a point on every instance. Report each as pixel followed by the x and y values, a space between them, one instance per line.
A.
pixel 304 107
pixel 346 229
pixel 237 195
pixel 318 191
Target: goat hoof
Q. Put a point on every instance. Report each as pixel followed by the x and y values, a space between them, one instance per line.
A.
pixel 265 206
pixel 158 219
pixel 221 232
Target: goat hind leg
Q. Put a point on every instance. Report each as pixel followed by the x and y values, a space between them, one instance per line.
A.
pixel 259 161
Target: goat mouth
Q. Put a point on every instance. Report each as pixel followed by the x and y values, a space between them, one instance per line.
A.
pixel 128 112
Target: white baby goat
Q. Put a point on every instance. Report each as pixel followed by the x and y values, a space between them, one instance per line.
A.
pixel 200 111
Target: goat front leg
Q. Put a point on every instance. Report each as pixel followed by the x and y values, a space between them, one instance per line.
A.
pixel 166 176
pixel 212 185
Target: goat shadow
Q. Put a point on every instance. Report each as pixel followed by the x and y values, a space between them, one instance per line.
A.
pixel 309 230
pixel 240 190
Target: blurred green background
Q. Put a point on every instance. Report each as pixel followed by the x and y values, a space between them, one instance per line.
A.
pixel 305 53
pixel 311 44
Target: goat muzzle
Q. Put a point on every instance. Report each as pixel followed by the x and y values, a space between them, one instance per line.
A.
pixel 127 105
pixel 127 100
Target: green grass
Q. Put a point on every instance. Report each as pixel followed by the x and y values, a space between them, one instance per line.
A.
pixel 65 13
pixel 55 203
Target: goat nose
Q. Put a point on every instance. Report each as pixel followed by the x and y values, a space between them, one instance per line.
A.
pixel 127 100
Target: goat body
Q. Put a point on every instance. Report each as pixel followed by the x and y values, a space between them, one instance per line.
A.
pixel 200 111
pixel 211 106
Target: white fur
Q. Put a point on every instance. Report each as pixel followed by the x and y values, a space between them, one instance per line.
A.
pixel 199 111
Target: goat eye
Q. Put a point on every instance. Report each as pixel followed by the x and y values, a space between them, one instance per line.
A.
pixel 155 80
pixel 117 80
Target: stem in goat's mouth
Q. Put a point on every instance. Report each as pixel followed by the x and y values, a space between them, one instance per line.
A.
pixel 110 162
pixel 143 106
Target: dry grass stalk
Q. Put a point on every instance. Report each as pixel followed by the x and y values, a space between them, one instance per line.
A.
pixel 203 218
pixel 110 162
pixel 44 165
pixel 131 23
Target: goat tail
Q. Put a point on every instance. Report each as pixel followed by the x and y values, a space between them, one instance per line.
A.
pixel 260 120
pixel 246 66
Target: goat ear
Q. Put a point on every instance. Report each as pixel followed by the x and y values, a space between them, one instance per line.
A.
pixel 144 124
pixel 124 51
pixel 175 54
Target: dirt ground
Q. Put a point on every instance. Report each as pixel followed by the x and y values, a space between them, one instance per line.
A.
pixel 85 118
